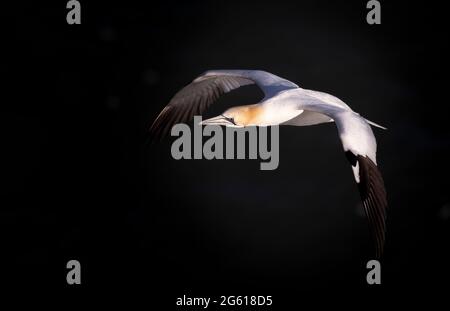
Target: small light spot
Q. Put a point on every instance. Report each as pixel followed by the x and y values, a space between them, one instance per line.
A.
pixel 151 77
pixel 113 102
pixel 107 34
pixel 444 212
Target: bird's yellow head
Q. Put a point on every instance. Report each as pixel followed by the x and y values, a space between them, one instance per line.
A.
pixel 239 116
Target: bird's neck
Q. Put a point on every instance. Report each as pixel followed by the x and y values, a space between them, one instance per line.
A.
pixel 252 114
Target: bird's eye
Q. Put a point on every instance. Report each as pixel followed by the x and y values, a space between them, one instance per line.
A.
pixel 230 119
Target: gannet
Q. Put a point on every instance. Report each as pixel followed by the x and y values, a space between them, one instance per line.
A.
pixel 285 103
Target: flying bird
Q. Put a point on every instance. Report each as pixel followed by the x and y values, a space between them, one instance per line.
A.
pixel 285 103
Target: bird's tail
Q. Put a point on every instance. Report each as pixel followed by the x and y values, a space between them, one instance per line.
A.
pixel 376 125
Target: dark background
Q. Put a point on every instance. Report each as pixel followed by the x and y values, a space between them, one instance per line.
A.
pixel 79 183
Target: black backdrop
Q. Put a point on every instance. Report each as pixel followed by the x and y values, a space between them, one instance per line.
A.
pixel 80 184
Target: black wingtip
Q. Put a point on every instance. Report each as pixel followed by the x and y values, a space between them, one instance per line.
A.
pixel 373 195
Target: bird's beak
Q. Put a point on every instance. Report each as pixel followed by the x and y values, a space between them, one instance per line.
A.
pixel 219 120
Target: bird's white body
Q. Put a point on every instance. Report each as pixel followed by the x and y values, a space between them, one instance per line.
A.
pixel 285 103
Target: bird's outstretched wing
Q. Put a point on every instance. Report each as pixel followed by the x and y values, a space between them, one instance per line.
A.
pixel 373 196
pixel 197 96
pixel 360 148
